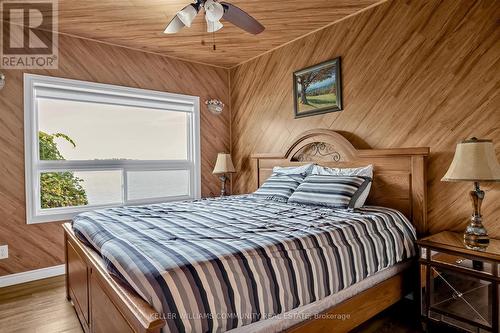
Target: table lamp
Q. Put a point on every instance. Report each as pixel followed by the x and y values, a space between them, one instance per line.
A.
pixel 474 161
pixel 223 166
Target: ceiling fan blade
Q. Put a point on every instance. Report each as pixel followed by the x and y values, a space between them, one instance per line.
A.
pixel 241 19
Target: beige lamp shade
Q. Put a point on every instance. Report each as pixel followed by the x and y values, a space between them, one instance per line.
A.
pixel 474 160
pixel 224 164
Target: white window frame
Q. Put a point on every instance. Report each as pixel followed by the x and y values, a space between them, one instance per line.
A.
pixel 36 86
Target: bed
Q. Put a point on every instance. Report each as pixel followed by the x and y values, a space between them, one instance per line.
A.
pixel 245 264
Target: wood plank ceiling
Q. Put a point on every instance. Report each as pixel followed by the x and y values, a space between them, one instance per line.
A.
pixel 139 24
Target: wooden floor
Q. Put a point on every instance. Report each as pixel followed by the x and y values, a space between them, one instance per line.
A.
pixel 41 307
pixel 38 307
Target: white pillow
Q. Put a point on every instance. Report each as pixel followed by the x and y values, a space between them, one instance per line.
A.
pixel 300 170
pixel 366 171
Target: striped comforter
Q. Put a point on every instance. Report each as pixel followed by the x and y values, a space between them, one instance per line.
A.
pixel 217 264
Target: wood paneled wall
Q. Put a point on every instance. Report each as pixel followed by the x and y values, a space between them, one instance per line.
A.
pixel 415 73
pixel 37 246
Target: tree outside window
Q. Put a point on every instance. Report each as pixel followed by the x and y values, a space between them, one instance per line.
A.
pixel 59 189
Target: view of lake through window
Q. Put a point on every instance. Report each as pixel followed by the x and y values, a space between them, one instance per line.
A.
pixel 91 131
pixel 97 145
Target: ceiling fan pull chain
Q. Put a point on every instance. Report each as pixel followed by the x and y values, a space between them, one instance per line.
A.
pixel 213 40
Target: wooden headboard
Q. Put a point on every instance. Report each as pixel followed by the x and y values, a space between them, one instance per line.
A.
pixel 399 173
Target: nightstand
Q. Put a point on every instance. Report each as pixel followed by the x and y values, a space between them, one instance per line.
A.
pixel 459 287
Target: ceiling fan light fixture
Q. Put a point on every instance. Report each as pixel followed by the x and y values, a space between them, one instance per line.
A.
pixel 187 14
pixel 213 11
pixel 174 26
pixel 213 26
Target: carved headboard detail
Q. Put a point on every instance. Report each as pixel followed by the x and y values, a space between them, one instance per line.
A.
pixel 400 177
pixel 318 151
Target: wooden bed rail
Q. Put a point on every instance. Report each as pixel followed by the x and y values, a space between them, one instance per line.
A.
pixel 102 304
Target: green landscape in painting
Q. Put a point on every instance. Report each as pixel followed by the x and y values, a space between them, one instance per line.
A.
pixel 318 102
pixel 317 89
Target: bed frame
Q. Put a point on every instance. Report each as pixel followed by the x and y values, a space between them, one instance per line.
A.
pixel 103 304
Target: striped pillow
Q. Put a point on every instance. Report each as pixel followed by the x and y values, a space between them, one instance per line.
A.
pixel 366 171
pixel 330 191
pixel 279 187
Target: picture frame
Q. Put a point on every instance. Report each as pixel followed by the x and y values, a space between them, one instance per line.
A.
pixel 323 92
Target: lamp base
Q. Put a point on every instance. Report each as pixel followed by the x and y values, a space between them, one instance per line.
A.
pixel 475 235
pixel 223 179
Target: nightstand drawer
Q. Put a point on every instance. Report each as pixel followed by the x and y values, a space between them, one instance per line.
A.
pixel 459 261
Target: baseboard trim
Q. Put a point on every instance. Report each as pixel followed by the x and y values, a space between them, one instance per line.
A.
pixel 37 274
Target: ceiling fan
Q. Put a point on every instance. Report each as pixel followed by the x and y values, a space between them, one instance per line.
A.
pixel 214 12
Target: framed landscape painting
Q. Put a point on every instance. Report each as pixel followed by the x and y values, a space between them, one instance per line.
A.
pixel 317 89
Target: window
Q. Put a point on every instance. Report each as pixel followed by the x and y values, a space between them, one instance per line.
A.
pixel 91 145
